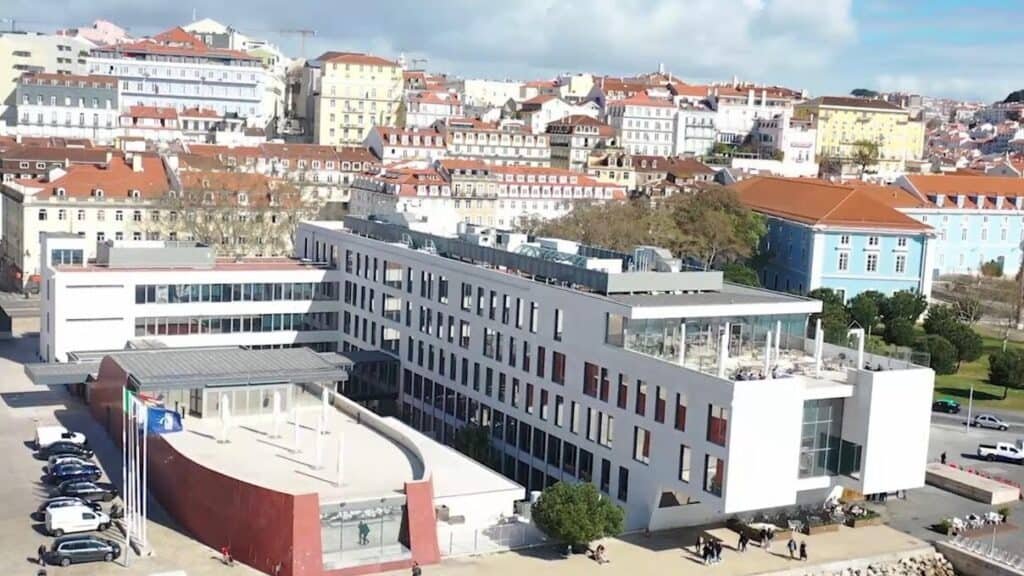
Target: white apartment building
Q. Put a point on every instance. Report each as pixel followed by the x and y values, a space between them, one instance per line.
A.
pixel 573 138
pixel 402 144
pixel 539 111
pixel 738 106
pixel 645 125
pixel 67 106
pixel 621 370
pixel 424 109
pixel 113 200
pixel 30 52
pixel 180 294
pixel 694 130
pixel 488 93
pixel 175 69
pixel 506 143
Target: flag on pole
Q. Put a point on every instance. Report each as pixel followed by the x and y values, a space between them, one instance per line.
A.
pixel 126 400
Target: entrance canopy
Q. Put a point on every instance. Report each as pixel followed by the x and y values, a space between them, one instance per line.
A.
pixel 189 368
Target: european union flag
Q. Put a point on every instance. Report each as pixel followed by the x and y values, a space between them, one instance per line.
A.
pixel 162 420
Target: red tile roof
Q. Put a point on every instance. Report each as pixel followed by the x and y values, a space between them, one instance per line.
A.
pixel 930 184
pixel 116 180
pixel 90 80
pixel 359 58
pixel 540 99
pixel 816 202
pixel 199 113
pixel 642 99
pixel 151 112
pixel 575 120
pixel 175 41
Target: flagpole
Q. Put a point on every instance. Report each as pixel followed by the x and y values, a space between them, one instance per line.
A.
pixel 124 474
pixel 145 468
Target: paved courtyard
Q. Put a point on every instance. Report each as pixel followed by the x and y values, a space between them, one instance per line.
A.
pixel 23 407
pixel 671 552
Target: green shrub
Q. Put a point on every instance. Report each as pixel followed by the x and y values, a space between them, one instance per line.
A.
pixel 943 354
pixel 577 514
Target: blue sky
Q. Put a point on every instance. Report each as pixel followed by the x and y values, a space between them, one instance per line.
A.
pixel 936 47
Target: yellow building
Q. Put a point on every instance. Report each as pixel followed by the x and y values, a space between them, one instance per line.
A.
pixel 357 92
pixel 842 122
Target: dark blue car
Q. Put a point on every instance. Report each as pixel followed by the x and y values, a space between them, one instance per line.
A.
pixel 72 471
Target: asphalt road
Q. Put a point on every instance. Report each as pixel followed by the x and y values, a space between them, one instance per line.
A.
pixel 1013 418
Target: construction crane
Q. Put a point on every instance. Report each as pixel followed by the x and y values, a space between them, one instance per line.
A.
pixel 416 63
pixel 302 33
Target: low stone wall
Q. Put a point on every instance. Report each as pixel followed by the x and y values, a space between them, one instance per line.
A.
pixel 970 485
pixel 970 564
pixel 920 562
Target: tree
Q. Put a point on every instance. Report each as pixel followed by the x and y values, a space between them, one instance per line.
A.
pixel 966 296
pixel 739 273
pixel 942 319
pixel 835 319
pixel 474 441
pixel 713 227
pixel 967 342
pixel 899 332
pixel 941 352
pixel 576 514
pixel 863 93
pixel 864 309
pixel 1015 96
pixel 904 304
pixel 1006 369
pixel 992 269
pixel 865 153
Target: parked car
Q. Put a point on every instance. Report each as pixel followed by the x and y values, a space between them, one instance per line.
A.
pixel 85 490
pixel 65 448
pixel 72 471
pixel 78 549
pixel 64 459
pixel 68 519
pixel 946 405
pixel 46 435
pixel 62 501
pixel 989 421
pixel 1003 451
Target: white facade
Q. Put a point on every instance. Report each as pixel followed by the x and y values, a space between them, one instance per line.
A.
pixel 490 92
pixel 424 109
pixel 645 125
pixel 31 52
pixel 399 145
pixel 90 307
pixel 694 131
pixel 657 430
pixel 738 107
pixel 538 117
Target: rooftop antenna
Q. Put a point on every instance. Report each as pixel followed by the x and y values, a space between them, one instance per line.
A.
pixel 302 33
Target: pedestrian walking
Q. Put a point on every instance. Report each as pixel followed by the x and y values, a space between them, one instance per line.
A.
pixel 791 546
pixel 942 458
pixel 416 570
pixel 698 548
pixel 768 540
pixel 743 542
pixel 364 533
pixel 718 551
pixel 706 553
pixel 42 554
pixel 803 551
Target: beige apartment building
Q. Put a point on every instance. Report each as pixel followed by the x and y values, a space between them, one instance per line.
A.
pixel 357 92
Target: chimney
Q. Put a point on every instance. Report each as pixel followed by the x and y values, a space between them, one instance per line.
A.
pixel 750 97
pixel 137 163
pixel 999 202
pixel 959 200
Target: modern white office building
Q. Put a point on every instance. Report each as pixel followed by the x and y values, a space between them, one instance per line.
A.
pixel 683 398
pixel 180 294
pixel 620 369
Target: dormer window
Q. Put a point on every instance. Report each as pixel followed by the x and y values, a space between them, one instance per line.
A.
pixel 60 193
pixel 134 194
pixel 98 192
pixel 243 198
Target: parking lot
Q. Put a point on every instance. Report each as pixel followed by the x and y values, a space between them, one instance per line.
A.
pixel 929 505
pixel 23 407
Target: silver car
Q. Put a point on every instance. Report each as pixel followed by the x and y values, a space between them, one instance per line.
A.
pixel 989 421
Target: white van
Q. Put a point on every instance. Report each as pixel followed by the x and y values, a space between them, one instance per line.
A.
pixel 46 435
pixel 70 519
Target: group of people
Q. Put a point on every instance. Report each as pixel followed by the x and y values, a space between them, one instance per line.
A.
pixel 748 374
pixel 710 550
pixel 364 533
pixel 599 555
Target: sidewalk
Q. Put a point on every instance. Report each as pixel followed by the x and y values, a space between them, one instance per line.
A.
pixel 662 553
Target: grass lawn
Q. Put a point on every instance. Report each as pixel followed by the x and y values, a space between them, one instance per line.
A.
pixel 986 395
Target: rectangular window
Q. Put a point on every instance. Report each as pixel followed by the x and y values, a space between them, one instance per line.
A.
pixel 871 263
pixel 718 424
pixel 606 475
pixel 844 262
pixel 574 417
pixel 605 385
pixel 659 404
pixel 623 394
pixel 534 313
pixel 684 463
pixel 529 398
pixel 901 264
pixel 543 404
pixel 590 375
pixel 557 367
pixel 641 397
pixel 541 358
pixel 641 445
pixel 558 325
pixel 714 475
pixel 467 297
pixel 559 411
pixel 872 240
pixel 623 489
pixel 680 422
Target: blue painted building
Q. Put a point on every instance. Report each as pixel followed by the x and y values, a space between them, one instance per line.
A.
pixel 976 219
pixel 848 238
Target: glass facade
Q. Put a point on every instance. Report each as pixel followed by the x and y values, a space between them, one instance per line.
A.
pixel 259 292
pixel 820 438
pixel 363 532
pixel 183 325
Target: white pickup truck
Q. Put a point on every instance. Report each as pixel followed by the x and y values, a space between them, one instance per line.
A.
pixel 1003 451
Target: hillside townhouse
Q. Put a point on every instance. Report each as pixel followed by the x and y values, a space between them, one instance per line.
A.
pixel 539 111
pixel 645 125
pixel 174 69
pixel 695 130
pixel 28 158
pixel 67 105
pixel 784 145
pixel 31 52
pixel 423 109
pixel 402 144
pixel 504 143
pixel 574 138
pixel 357 92
pixel 841 122
pixel 739 105
pixel 849 238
